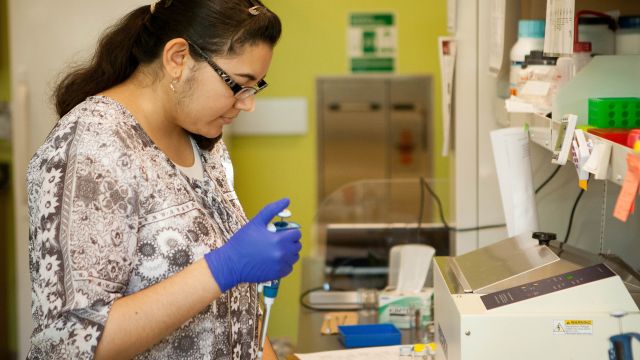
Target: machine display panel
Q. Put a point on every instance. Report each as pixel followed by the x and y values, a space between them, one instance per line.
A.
pixel 546 286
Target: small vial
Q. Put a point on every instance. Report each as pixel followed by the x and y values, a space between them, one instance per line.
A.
pixel 406 352
pixel 420 351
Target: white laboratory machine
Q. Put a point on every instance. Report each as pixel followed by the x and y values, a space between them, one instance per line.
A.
pixel 522 299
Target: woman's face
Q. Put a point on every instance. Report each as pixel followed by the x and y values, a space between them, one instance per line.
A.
pixel 207 104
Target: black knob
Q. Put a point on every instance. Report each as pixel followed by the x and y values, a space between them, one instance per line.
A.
pixel 544 238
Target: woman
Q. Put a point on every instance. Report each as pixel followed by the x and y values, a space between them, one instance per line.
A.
pixel 138 244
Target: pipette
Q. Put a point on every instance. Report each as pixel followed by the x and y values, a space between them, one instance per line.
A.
pixel 269 289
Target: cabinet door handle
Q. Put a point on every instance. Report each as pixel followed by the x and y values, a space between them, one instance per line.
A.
pixel 404 107
pixel 355 106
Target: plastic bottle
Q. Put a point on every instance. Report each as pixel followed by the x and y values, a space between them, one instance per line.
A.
pixel 568 66
pixel 628 35
pixel 536 80
pixel 581 55
pixel 597 31
pixel 530 37
pixel 565 70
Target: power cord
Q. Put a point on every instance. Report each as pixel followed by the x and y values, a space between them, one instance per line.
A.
pixel 483 227
pixel 573 211
pixel 544 183
pixel 437 199
pixel 441 213
pixel 425 184
pixel 421 210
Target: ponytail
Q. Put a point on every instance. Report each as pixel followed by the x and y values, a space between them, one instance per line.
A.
pixel 220 27
pixel 113 62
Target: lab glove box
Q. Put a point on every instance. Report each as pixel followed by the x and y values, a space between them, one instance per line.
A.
pixel 401 309
pixel 353 336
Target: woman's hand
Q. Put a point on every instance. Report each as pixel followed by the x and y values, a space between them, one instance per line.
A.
pixel 255 254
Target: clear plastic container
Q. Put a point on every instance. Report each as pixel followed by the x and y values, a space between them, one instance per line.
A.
pixel 530 38
pixel 628 35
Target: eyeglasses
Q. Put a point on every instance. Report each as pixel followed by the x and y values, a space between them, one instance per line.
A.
pixel 239 92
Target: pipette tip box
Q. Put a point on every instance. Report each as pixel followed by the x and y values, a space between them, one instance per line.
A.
pixel 353 336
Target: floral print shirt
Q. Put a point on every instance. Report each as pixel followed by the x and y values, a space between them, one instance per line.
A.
pixel 110 215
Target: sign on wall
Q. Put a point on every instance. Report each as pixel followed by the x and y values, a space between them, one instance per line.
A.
pixel 372 42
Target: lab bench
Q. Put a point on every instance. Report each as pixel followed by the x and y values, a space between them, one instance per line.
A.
pixel 310 338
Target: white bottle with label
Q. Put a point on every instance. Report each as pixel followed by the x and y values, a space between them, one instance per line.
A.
pixel 628 36
pixel 530 37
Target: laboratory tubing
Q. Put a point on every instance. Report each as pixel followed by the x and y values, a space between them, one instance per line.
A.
pixel 628 35
pixel 530 37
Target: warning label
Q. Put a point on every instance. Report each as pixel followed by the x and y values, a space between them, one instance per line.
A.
pixel 573 327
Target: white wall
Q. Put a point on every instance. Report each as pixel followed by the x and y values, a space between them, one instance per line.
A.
pixel 476 188
pixel 464 155
pixel 44 37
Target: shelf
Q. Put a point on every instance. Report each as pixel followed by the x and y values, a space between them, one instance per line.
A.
pixel 544 132
pixel 603 76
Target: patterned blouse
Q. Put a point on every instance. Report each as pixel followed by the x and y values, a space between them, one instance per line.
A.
pixel 110 215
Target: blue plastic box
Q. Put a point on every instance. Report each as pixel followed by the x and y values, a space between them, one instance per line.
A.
pixel 353 336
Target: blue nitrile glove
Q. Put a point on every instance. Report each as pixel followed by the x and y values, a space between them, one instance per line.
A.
pixel 255 254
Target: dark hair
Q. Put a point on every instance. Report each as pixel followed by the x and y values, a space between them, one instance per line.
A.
pixel 219 27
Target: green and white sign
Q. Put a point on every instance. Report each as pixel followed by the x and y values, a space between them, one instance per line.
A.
pixel 372 42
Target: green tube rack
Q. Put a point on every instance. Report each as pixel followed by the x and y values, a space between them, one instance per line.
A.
pixel 619 112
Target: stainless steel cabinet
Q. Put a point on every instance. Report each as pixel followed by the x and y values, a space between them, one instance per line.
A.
pixel 373 147
pixel 372 127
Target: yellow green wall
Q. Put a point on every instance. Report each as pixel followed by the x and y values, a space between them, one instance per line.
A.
pixel 313 44
pixel 8 337
pixel 5 83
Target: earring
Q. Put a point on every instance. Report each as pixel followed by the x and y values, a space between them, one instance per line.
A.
pixel 173 85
